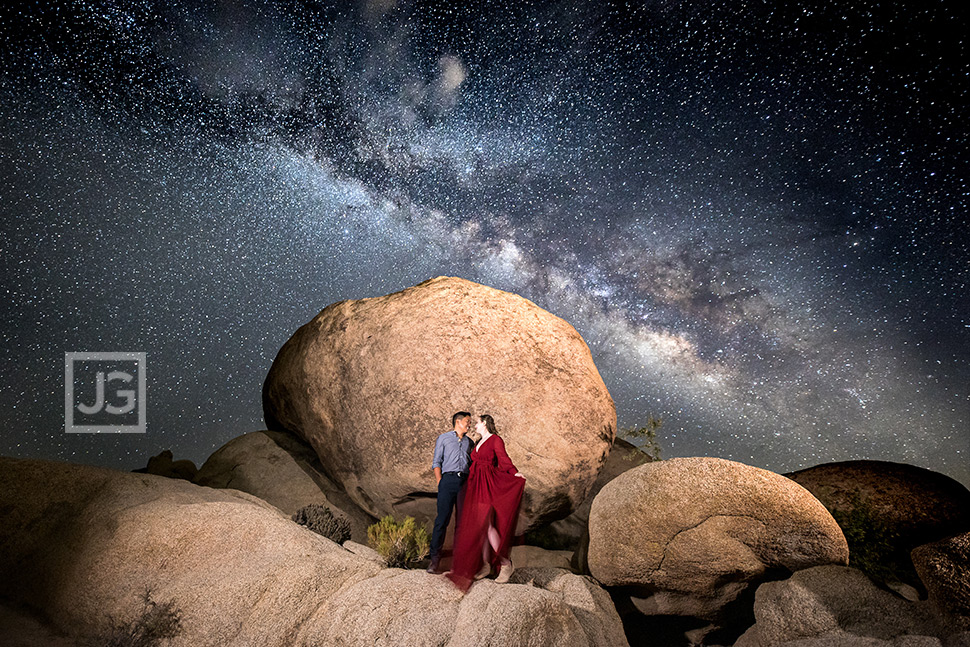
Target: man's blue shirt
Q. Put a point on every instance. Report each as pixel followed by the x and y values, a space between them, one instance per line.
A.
pixel 451 454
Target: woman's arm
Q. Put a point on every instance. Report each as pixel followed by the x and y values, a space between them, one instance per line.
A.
pixel 502 457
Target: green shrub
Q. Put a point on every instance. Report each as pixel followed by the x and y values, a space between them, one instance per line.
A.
pixel 399 545
pixel 321 520
pixel 872 543
pixel 647 437
pixel 153 624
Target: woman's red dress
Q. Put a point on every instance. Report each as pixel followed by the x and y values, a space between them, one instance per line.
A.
pixel 492 492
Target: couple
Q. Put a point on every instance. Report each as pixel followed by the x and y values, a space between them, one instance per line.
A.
pixel 487 489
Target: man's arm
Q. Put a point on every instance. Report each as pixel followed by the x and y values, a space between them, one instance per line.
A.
pixel 439 457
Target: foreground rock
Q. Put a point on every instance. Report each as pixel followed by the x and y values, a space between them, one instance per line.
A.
pixel 80 546
pixel 836 605
pixel 548 607
pixel 688 536
pixel 944 568
pixel 370 384
pixel 282 470
pixel 901 506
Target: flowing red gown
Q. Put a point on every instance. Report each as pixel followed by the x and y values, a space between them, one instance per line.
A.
pixel 492 493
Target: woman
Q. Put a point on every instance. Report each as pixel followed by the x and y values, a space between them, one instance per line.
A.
pixel 491 508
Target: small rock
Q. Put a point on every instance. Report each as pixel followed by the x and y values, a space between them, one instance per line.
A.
pixel 904 591
pixel 163 465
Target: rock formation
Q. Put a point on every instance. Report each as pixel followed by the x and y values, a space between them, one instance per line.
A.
pixel 944 568
pixel 163 465
pixel 282 470
pixel 836 605
pixel 80 545
pixel 903 506
pixel 549 607
pixel 687 536
pixel 371 383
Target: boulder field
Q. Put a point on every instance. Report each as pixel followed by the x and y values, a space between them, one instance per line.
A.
pixel 80 546
pixel 677 548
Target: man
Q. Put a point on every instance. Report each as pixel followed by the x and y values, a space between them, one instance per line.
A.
pixel 452 452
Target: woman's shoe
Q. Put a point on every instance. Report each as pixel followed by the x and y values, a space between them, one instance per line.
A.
pixel 504 573
pixel 484 571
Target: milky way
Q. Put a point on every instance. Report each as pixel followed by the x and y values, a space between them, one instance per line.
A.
pixel 755 216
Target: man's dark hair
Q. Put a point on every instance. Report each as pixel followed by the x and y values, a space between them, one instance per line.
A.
pixel 458 416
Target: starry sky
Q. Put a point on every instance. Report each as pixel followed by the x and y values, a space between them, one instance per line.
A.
pixel 755 213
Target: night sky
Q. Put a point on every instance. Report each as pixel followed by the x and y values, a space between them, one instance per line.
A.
pixel 755 213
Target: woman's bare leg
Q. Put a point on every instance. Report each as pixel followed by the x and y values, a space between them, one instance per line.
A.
pixel 494 541
pixel 486 568
pixel 486 546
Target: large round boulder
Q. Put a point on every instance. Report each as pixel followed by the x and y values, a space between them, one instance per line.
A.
pixel 687 536
pixel 888 509
pixel 283 470
pixel 371 383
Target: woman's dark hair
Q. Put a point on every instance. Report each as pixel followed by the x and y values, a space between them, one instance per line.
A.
pixel 458 416
pixel 489 423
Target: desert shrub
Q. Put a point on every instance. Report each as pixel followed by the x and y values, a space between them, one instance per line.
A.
pixel 399 544
pixel 872 543
pixel 153 624
pixel 645 438
pixel 321 520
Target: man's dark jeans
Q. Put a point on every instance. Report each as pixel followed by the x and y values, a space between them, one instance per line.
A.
pixel 451 493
